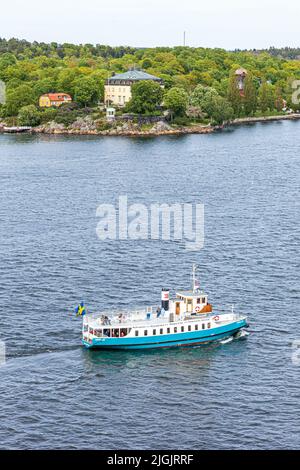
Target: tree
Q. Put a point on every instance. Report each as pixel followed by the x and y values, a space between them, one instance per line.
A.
pixel 29 116
pixel 86 91
pixel 279 102
pixel 233 95
pixel 203 97
pixel 176 100
pixel 146 96
pixel 6 60
pixel 194 112
pixel 221 110
pixel 212 104
pixel 250 95
pixel 66 81
pixel 266 97
pixel 17 98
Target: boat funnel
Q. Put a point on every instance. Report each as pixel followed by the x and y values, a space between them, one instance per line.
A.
pixel 165 298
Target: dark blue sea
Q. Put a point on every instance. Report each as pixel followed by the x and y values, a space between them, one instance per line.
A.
pixel 241 395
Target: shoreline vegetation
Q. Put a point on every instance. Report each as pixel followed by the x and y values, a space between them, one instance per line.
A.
pixel 159 129
pixel 72 89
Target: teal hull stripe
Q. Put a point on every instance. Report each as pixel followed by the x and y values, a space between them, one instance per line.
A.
pixel 176 339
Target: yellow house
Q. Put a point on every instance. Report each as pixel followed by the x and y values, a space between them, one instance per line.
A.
pixel 117 89
pixel 54 99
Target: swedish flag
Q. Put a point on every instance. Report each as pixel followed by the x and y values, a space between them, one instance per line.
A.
pixel 80 310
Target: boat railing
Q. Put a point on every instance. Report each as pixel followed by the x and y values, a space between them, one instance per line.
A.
pixel 122 316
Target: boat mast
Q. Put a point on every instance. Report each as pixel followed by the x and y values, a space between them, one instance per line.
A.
pixel 194 277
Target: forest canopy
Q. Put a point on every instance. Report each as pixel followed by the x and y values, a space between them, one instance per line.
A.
pixel 31 69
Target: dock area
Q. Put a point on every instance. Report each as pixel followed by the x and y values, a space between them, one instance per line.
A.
pixel 15 129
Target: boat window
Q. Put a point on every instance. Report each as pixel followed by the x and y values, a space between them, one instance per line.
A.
pixel 154 332
pixel 107 332
pixel 182 328
pixel 124 332
pixel 136 332
pixel 189 301
pixel 203 326
pixel 203 300
pixel 168 330
pixel 196 327
pixel 189 328
pixel 161 331
pixel 175 329
pixel 208 325
pixel 145 332
pixel 91 331
pixel 199 301
pixel 85 328
pixel 115 333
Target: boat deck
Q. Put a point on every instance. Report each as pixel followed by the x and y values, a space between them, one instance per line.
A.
pixel 146 317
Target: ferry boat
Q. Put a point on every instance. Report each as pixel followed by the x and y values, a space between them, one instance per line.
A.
pixel 186 320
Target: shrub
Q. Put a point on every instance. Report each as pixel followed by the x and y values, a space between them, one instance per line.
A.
pixel 48 114
pixel 29 116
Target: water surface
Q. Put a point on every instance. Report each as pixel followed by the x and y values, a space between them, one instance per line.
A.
pixel 55 394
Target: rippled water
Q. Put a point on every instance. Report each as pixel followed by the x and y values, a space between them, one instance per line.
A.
pixel 55 394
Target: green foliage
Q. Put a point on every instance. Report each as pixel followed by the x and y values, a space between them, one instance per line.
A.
pixel 48 114
pixel 266 97
pixel 221 111
pixel 233 95
pixel 29 116
pixel 86 91
pixel 214 106
pixel 176 101
pixel 250 95
pixel 146 97
pixel 203 97
pixel 17 98
pixel 181 121
pixel 81 70
pixel 103 125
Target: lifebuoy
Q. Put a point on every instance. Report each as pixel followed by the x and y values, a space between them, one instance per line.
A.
pixel 197 309
pixel 216 318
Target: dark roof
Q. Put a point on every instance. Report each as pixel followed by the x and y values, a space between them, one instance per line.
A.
pixel 134 75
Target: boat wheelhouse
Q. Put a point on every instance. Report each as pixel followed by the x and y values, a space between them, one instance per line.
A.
pixel 186 320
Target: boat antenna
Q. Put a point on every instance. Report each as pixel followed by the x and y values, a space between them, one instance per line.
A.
pixel 195 282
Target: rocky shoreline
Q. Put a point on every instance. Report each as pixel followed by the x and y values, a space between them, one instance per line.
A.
pixel 86 126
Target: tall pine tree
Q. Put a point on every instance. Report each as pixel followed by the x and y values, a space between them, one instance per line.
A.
pixel 234 96
pixel 250 95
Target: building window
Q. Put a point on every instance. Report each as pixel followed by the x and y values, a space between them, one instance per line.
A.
pixel 168 330
pixel 189 328
pixel 182 328
pixel 145 332
pixel 161 331
pixel 175 329
pixel 136 333
pixel 208 325
pixel 154 332
pixel 196 327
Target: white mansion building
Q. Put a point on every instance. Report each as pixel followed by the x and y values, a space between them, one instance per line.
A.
pixel 117 89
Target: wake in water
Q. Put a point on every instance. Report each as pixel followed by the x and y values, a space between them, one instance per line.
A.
pixel 239 335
